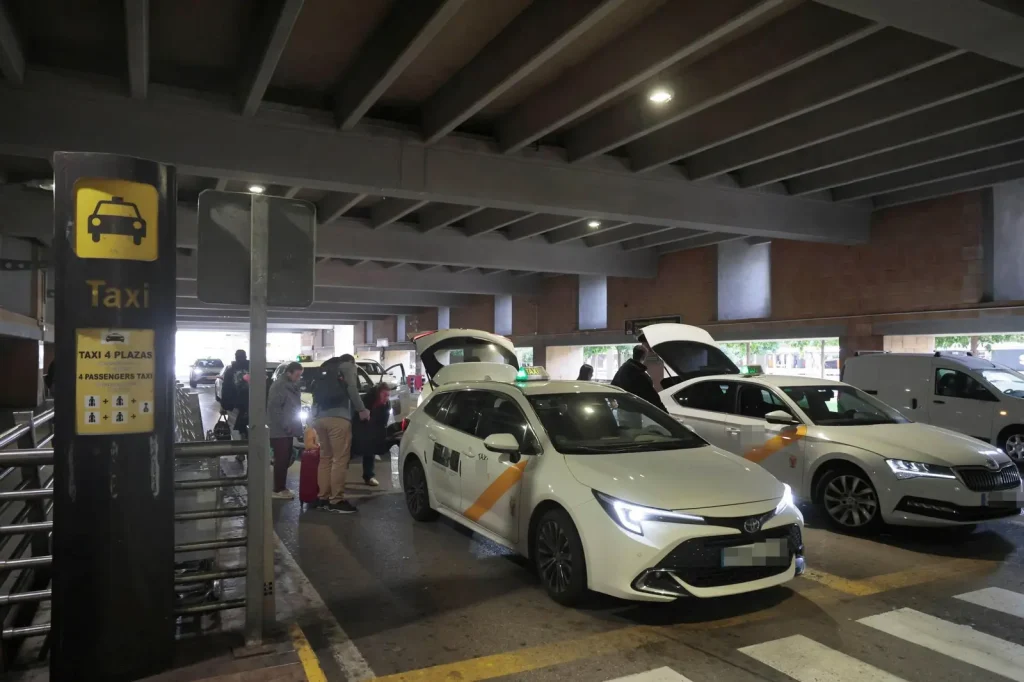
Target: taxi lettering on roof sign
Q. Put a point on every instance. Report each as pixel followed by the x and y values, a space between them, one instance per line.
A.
pixel 115 219
pixel 532 373
pixel 114 381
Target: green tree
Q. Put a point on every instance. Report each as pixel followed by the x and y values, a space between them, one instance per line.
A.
pixel 591 351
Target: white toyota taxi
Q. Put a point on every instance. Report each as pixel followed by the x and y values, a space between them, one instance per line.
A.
pixel 860 460
pixel 601 490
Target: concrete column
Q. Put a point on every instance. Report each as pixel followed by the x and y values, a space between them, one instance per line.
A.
pixel 540 356
pixel 400 333
pixel 849 345
pixel 503 315
pixel 371 338
pixel 443 317
pixel 344 339
pixel 744 280
pixel 593 302
pixel 1008 240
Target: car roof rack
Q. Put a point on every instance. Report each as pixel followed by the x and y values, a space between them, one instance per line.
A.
pixel 953 354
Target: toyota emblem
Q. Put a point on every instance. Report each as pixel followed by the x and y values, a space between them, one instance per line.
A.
pixel 752 525
pixel 992 464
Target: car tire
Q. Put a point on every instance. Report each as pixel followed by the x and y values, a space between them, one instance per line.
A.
pixel 192 383
pixel 1013 439
pixel 849 501
pixel 558 558
pixel 417 495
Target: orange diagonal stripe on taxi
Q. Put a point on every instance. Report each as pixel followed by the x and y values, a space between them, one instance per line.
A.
pixel 774 444
pixel 509 477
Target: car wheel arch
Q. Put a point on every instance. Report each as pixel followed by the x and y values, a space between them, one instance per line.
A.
pixel 1006 432
pixel 831 464
pixel 539 510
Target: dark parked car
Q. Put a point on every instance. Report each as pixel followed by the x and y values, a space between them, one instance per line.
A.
pixel 204 371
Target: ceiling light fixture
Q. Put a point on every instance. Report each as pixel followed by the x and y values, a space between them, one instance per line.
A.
pixel 257 189
pixel 46 185
pixel 660 96
pixel 594 224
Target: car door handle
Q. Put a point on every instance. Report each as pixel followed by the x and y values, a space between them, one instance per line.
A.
pixel 432 437
pixel 469 455
pixel 939 402
pixel 733 430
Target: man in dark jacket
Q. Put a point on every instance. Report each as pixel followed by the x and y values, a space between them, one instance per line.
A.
pixel 633 378
pixel 234 391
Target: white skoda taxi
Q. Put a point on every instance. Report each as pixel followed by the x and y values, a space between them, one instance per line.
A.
pixel 860 460
pixel 599 489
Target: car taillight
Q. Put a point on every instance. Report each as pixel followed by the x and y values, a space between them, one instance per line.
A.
pixel 405 424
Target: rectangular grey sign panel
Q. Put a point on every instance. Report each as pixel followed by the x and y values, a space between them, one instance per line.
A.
pixel 224 230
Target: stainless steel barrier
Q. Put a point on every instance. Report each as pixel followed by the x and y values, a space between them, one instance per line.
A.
pixel 26 525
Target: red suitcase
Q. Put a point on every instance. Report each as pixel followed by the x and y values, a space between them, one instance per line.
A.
pixel 310 462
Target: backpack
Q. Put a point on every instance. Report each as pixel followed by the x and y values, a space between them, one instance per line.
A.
pixel 329 389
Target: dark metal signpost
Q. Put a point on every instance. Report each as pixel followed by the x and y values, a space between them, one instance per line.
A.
pixel 113 539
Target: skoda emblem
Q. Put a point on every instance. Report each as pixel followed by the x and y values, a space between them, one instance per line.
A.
pixel 992 464
pixel 752 525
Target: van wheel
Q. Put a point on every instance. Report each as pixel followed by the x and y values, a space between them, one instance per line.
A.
pixel 417 497
pixel 1012 442
pixel 558 555
pixel 849 500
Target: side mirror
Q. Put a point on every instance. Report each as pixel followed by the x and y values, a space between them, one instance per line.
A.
pixel 505 443
pixel 780 417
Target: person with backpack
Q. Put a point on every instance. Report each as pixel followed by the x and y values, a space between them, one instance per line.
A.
pixel 284 405
pixel 369 438
pixel 336 401
pixel 234 391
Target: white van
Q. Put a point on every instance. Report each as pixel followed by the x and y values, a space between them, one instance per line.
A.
pixel 959 392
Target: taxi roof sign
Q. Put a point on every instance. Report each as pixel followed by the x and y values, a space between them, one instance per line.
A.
pixel 532 373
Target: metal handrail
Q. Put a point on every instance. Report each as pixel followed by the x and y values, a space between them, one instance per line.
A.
pixel 15 432
pixel 19 528
pixel 203 514
pixel 21 597
pixel 213 606
pixel 30 562
pixel 204 484
pixel 32 456
pixel 33 494
pixel 187 578
pixel 29 631
pixel 211 448
pixel 227 543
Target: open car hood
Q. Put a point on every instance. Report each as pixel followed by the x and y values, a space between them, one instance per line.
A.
pixel 687 350
pixel 455 347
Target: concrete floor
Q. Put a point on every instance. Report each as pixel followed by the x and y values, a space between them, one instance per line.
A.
pixel 430 601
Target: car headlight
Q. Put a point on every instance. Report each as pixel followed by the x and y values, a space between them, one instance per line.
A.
pixel 787 500
pixel 904 469
pixel 632 516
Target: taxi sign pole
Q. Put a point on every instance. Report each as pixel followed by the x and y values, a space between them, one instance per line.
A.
pixel 259 588
pixel 113 536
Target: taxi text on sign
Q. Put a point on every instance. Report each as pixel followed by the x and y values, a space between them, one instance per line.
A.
pixel 115 219
pixel 114 381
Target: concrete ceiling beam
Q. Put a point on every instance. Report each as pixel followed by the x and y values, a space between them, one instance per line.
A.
pixel 491 219
pixel 442 215
pixel 624 234
pixel 211 143
pixel 136 21
pixel 956 185
pixel 959 77
pixel 696 242
pixel 274 38
pixel 958 144
pixel 394 45
pixel 788 42
pixel 880 57
pixel 673 33
pixel 532 39
pixel 186 305
pixel 387 297
pixel 538 225
pixel 667 237
pixel 960 114
pixel 975 25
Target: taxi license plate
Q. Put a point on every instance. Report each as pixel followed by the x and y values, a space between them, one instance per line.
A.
pixel 771 552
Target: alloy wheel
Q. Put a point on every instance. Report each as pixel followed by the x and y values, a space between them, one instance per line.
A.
pixel 554 557
pixel 1014 446
pixel 416 490
pixel 850 501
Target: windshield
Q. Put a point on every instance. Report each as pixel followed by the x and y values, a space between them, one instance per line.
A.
pixel 842 406
pixel 462 349
pixel 209 364
pixel 372 367
pixel 1006 381
pixel 607 423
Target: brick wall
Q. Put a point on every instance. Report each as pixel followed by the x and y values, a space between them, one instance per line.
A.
pixel 686 284
pixel 425 321
pixel 921 256
pixel 479 315
pixel 385 329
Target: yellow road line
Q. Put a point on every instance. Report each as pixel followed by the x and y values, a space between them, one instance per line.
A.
pixel 824 589
pixel 307 657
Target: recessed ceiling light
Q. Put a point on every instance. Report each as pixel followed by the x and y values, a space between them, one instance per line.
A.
pixel 257 189
pixel 660 95
pixel 594 224
pixel 46 184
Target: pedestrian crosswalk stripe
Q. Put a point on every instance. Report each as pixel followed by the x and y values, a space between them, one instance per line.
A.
pixel 956 641
pixel 805 660
pixel 658 675
pixel 997 599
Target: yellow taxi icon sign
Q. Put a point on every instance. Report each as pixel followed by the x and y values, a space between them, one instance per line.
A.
pixel 115 219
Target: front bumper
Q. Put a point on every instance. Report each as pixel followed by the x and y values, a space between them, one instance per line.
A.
pixel 945 502
pixel 683 560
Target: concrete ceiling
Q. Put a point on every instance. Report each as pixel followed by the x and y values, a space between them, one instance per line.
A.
pixel 454 147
